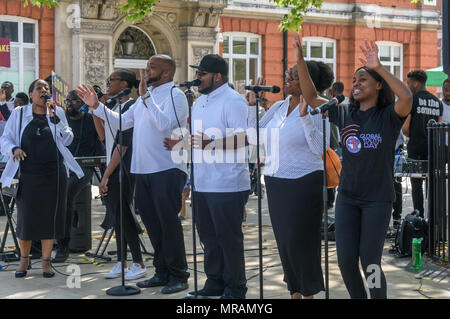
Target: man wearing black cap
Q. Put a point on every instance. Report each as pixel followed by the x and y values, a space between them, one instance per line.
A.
pixel 222 180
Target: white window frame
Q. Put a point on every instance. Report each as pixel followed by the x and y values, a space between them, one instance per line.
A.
pixel 393 63
pixel 326 60
pixel 21 45
pixel 230 55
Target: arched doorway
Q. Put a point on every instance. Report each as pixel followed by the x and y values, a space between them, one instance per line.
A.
pixel 132 50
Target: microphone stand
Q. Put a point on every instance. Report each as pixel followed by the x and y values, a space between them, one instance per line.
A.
pixel 122 290
pixel 258 189
pixel 190 98
pixel 325 200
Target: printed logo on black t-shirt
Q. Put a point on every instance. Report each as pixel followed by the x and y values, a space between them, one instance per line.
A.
pixel 353 143
pixel 371 140
pixel 349 139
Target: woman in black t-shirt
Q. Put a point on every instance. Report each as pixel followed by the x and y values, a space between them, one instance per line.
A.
pixel 369 127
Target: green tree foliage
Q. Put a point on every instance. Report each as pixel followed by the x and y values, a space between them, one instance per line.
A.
pixel 39 3
pixel 294 20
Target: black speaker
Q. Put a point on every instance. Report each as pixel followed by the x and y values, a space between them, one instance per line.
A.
pixel 80 235
pixel 445 36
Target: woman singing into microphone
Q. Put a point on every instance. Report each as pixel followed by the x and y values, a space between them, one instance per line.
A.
pixel 36 137
pixel 369 127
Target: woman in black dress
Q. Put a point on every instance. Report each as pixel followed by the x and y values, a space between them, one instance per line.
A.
pixel 35 138
pixel 369 127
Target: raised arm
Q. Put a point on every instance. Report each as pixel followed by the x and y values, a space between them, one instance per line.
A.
pixel 309 91
pixel 88 95
pixel 405 98
pixel 99 127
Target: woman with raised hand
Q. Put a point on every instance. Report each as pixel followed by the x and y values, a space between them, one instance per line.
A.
pixel 293 177
pixel 369 127
pixel 36 137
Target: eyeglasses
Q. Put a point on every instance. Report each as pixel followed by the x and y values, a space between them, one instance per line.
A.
pixel 292 75
pixel 109 80
pixel 201 73
pixel 72 100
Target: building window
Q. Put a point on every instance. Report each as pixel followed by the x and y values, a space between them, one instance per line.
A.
pixel 242 51
pixel 23 35
pixel 391 54
pixel 429 2
pixel 320 49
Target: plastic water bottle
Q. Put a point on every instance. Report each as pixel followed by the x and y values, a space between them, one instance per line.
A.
pixel 417 253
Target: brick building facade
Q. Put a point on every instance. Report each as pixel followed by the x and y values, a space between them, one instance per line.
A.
pixel 407 33
pixel 33 39
pixel 245 32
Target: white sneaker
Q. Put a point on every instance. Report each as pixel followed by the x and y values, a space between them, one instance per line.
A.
pixel 116 272
pixel 136 272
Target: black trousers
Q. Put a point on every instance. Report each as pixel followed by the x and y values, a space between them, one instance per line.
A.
pixel 158 199
pixel 398 203
pixel 130 230
pixel 361 228
pixel 74 187
pixel 417 194
pixel 219 222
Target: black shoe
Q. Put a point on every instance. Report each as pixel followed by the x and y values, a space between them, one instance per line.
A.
pixel 61 254
pixel 203 294
pixel 396 223
pixel 155 281
pixel 174 286
pixel 21 274
pixel 47 274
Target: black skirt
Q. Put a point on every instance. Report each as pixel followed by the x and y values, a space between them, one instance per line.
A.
pixel 295 208
pixel 36 201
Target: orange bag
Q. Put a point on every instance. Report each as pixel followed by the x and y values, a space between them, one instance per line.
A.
pixel 334 167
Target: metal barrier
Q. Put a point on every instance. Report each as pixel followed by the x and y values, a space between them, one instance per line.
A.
pixel 438 191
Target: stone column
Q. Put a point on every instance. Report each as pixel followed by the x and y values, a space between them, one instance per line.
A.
pixel 199 39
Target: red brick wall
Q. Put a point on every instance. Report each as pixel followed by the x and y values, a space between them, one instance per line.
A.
pixel 404 4
pixel 45 18
pixel 419 46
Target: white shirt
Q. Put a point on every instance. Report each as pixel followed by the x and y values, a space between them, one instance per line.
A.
pixel 293 144
pixel 11 138
pixel 152 123
pixel 10 104
pixel 219 114
pixel 110 134
pixel 446 118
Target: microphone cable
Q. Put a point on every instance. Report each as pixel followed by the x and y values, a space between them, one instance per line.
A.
pixel 175 111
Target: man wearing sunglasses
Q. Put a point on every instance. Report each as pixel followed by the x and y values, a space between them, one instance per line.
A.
pixel 158 112
pixel 84 144
pixel 221 185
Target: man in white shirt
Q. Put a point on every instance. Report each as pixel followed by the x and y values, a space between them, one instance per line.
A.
pixel 159 180
pixel 221 179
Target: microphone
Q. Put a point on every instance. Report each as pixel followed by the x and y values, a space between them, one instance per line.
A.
pixel 261 88
pixel 338 99
pixel 46 98
pixel 188 84
pixel 119 95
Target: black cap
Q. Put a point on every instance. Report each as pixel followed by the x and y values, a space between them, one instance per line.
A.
pixel 213 63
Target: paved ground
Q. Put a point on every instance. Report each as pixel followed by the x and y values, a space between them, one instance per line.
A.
pixel 403 282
